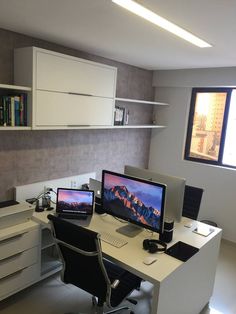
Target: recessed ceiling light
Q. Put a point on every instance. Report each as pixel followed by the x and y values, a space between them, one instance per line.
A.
pixel 152 17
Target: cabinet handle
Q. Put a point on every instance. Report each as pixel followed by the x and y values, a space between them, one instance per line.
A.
pixel 80 94
pixel 78 125
pixel 12 238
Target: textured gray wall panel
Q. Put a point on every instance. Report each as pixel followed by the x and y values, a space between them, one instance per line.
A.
pixel 32 156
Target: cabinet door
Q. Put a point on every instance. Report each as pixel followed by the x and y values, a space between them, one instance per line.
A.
pixel 68 74
pixel 59 109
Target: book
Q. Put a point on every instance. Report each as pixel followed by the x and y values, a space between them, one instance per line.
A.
pixel 17 110
pixel 25 110
pixel 12 111
pixel 1 111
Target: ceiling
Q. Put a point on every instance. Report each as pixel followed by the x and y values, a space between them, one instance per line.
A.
pixel 101 27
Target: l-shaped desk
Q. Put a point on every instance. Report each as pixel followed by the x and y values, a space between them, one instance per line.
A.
pixel 178 287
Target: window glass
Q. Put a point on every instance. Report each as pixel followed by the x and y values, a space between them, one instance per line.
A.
pixel 207 125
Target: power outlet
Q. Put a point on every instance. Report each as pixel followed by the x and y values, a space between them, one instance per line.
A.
pixel 73 184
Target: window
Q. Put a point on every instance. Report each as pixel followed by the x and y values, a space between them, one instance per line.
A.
pixel 211 135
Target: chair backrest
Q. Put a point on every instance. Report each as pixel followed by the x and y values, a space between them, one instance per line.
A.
pixel 80 251
pixel 192 201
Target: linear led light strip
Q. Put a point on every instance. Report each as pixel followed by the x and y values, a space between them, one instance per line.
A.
pixel 152 17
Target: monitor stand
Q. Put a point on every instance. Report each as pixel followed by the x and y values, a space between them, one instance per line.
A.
pixel 130 230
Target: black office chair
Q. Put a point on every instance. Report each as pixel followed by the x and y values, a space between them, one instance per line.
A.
pixel 192 201
pixel 84 266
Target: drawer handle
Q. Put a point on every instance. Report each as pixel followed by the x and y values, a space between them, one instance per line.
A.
pixel 13 274
pixel 80 94
pixel 10 257
pixel 13 238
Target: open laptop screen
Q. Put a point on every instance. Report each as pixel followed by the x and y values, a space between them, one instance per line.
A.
pixel 73 201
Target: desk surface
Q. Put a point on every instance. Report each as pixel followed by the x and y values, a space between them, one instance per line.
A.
pixel 131 255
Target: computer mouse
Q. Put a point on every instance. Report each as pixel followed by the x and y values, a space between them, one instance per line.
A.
pixel 148 260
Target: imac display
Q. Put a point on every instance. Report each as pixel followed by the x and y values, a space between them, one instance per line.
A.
pixel 174 193
pixel 135 200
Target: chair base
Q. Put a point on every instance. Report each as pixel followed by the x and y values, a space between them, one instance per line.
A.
pixel 119 309
pixel 100 309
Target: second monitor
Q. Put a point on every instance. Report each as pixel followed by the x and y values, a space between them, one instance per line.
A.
pixel 175 189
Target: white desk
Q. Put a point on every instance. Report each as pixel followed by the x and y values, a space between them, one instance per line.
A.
pixel 179 287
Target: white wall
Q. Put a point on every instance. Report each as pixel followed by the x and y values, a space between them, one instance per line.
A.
pixel 167 146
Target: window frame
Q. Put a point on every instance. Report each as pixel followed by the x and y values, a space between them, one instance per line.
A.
pixel 196 90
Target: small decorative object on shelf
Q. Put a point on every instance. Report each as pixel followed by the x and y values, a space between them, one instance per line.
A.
pixel 121 116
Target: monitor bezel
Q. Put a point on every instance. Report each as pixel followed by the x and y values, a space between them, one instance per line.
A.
pixel 163 186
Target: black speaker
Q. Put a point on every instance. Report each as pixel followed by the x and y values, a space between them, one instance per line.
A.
pixel 167 234
pixel 98 206
pixel 153 246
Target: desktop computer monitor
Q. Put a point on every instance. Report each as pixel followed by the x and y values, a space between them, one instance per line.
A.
pixel 137 201
pixel 174 193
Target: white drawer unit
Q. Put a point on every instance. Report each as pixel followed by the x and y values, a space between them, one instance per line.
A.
pixel 19 257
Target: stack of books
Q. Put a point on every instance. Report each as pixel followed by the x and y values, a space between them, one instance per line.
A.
pixel 13 110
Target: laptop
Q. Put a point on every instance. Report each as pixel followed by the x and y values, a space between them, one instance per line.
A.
pixel 95 186
pixel 75 204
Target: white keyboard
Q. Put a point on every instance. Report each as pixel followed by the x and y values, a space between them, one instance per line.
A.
pixel 113 240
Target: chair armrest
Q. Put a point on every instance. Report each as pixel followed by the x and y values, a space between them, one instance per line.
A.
pixel 115 284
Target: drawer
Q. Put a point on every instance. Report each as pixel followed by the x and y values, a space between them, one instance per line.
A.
pixel 17 281
pixel 19 243
pixel 18 261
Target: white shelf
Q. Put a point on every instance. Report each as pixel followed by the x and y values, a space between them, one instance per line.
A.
pixel 47 240
pixel 14 128
pixel 95 127
pixel 137 101
pixel 148 126
pixel 15 87
pixel 50 264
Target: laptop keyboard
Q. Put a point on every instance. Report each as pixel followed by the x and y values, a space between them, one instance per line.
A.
pixel 71 216
pixel 113 240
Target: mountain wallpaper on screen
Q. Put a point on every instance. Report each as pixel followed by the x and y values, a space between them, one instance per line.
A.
pixel 74 206
pixel 120 200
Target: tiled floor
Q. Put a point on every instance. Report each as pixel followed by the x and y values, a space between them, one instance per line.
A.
pixel 53 297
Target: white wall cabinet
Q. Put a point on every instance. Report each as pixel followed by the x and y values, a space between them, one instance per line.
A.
pixel 66 91
pixel 72 93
